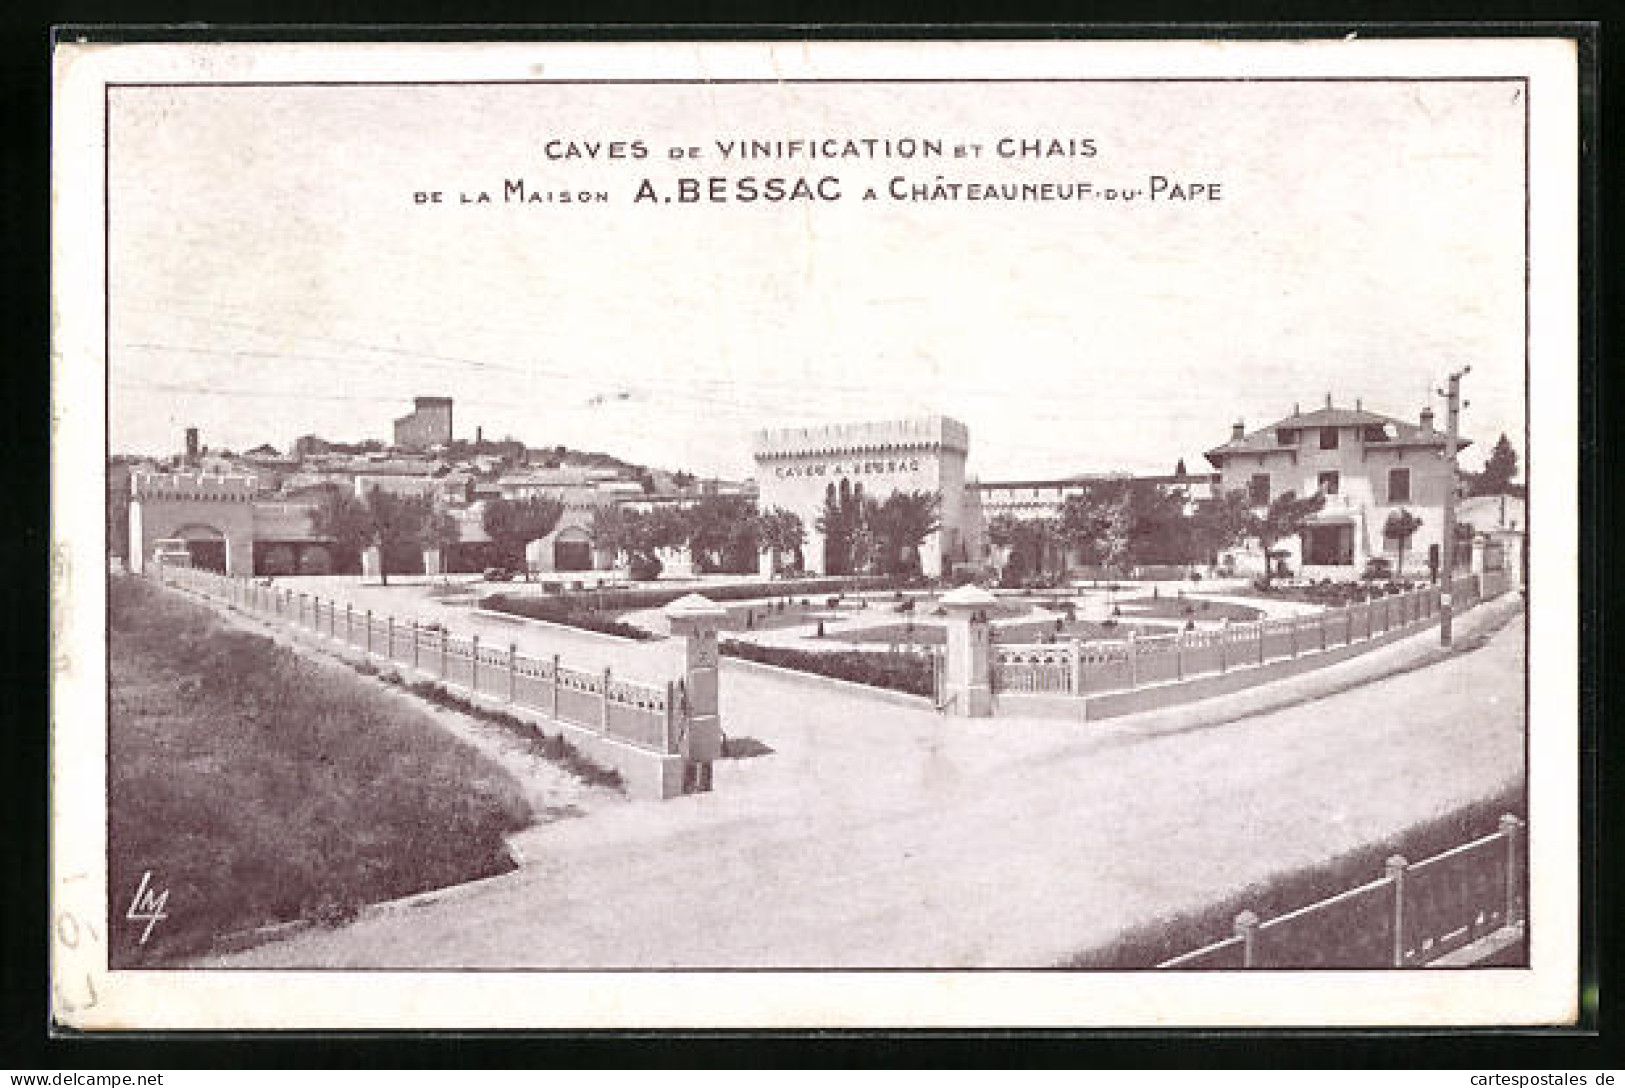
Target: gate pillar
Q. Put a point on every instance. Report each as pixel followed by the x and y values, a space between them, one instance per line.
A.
pixel 970 652
pixel 696 619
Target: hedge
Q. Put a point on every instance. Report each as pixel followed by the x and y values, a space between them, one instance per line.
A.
pixel 910 673
pixel 632 600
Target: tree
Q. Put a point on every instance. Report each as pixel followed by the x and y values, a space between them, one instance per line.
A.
pixel 1284 517
pixel 1220 523
pixel 899 525
pixel 1400 527
pixel 722 533
pixel 1098 521
pixel 513 523
pixel 439 532
pixel 381 519
pixel 613 529
pixel 838 521
pixel 780 531
pixel 1499 470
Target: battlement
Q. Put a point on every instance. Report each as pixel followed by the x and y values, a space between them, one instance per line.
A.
pixel 926 433
pixel 193 486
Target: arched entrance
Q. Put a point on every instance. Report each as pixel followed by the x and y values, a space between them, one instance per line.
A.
pixel 205 544
pixel 572 550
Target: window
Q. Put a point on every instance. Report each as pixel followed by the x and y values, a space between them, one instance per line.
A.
pixel 1328 438
pixel 1399 485
pixel 1286 437
pixel 1328 483
pixel 1258 489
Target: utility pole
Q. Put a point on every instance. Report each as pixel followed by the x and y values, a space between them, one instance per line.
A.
pixel 1453 405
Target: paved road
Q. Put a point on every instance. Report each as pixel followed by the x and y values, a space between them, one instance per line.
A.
pixel 889 836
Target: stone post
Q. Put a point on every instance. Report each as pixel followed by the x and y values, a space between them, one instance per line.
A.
pixel 970 645
pixel 553 692
pixel 414 645
pixel 474 665
pixel 1247 930
pixel 513 654
pixel 695 619
pixel 1512 829
pixel 372 563
pixel 389 636
pixel 369 632
pixel 1075 663
pixel 431 562
pixel 1396 867
pixel 603 703
pixel 670 727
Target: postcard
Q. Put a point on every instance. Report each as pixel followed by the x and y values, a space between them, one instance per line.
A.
pixel 815 534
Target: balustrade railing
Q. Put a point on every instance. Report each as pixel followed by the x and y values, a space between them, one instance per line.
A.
pixel 632 711
pixel 1073 667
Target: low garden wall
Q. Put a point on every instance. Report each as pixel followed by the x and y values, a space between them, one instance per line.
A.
pixel 1092 680
pixel 632 726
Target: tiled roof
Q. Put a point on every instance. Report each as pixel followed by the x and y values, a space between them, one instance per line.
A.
pixel 1400 432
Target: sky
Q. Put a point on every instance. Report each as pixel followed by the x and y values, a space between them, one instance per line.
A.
pixel 273 275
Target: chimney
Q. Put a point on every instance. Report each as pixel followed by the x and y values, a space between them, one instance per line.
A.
pixel 1427 418
pixel 1359 405
pixel 1238 430
pixel 479 436
pixel 1328 401
pixel 191 444
pixel 1296 411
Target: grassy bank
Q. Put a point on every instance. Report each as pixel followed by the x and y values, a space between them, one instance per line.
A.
pixel 1150 945
pixel 259 787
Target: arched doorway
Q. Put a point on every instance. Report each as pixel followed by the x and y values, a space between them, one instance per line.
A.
pixel 572 550
pixel 205 544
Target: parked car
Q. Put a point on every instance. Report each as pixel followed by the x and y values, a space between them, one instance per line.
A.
pixel 499 574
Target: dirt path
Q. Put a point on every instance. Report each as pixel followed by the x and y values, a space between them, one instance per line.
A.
pixel 885 836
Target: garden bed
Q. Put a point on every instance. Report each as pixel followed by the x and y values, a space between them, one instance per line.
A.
pixel 910 673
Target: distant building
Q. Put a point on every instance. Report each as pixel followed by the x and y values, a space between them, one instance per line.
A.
pixel 1367 465
pixel 429 424
pixel 803 468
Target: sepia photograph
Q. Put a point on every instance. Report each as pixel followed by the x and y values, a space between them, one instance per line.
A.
pixel 815 534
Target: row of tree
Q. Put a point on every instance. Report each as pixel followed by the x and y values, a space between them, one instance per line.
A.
pixel 722 533
pixel 865 535
pixel 1121 524
pixel 402 527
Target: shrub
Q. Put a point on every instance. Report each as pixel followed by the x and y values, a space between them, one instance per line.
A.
pixel 644 568
pixel 909 673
